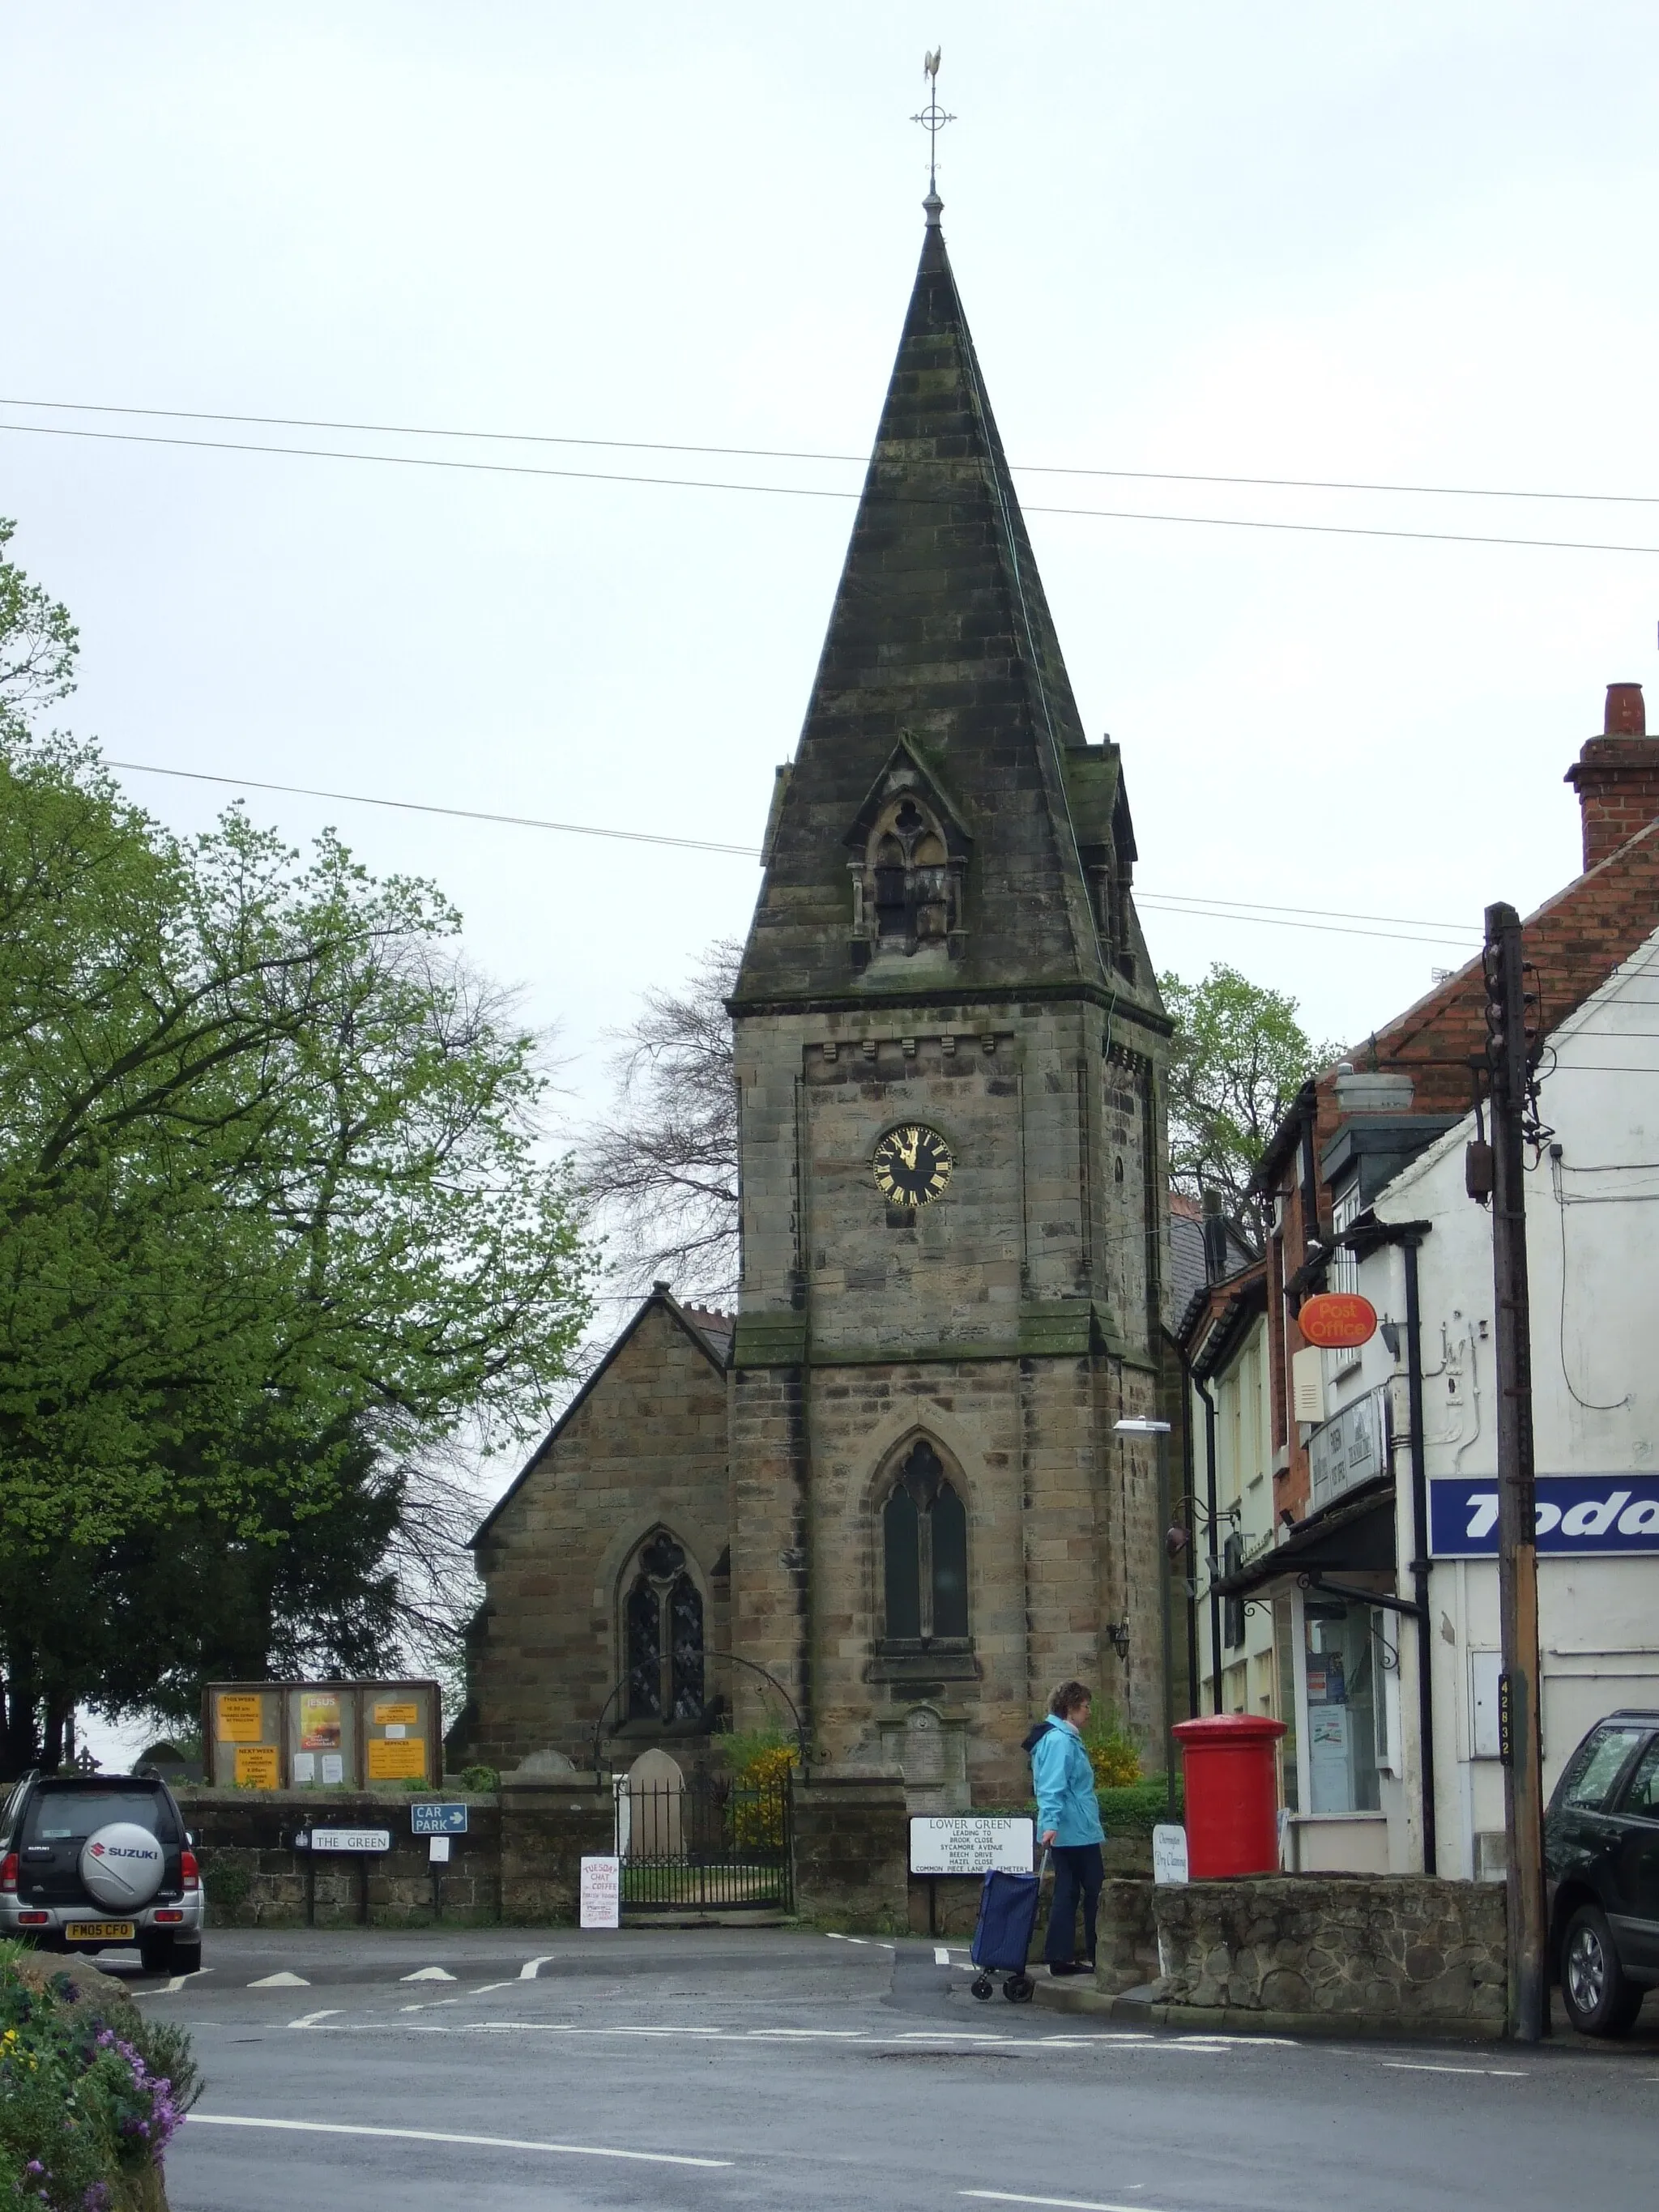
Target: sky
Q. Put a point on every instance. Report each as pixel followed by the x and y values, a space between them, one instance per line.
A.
pixel 1400 246
pixel 1404 246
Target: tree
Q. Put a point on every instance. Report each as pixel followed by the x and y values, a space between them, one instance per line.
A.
pixel 661 1172
pixel 276 1220
pixel 1238 1059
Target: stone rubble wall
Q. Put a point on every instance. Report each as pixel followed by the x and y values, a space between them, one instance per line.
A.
pixel 1388 1949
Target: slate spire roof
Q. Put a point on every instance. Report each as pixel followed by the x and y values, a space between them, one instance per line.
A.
pixel 940 640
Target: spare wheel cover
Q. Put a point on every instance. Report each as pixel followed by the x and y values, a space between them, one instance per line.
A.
pixel 122 1865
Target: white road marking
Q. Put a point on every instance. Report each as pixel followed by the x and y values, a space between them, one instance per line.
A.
pixel 429 1974
pixel 532 1967
pixel 1069 2203
pixel 283 1981
pixel 1133 2042
pixel 941 1956
pixel 430 2005
pixel 482 1989
pixel 311 2018
pixel 1421 2066
pixel 435 2136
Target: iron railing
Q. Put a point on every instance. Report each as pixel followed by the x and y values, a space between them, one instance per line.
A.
pixel 706 1844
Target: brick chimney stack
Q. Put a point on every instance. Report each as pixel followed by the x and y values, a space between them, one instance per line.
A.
pixel 1617 775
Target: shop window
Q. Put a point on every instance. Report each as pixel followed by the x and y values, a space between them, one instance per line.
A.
pixel 1285 1656
pixel 924 1527
pixel 663 1634
pixel 1344 1694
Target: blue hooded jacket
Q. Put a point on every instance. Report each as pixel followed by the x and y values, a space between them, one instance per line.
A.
pixel 1065 1784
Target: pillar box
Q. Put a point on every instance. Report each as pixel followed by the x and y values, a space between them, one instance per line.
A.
pixel 1232 1794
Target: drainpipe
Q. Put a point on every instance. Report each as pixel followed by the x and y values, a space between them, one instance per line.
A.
pixel 1409 1241
pixel 1215 1602
pixel 1188 1384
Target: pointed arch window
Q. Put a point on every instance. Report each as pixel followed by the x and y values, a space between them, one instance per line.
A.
pixel 663 1635
pixel 924 1527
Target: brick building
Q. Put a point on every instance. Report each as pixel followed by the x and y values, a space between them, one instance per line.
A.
pixel 913 1514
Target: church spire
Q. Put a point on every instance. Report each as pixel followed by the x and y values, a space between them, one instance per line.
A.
pixel 940 642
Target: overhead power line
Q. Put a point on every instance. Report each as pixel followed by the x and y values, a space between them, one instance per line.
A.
pixel 805 491
pixel 1321 918
pixel 805 453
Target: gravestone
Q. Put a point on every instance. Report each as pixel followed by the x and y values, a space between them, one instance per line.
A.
pixel 656 1788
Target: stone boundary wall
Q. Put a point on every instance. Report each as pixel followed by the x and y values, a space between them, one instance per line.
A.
pixel 254 1878
pixel 521 1857
pixel 1344 1951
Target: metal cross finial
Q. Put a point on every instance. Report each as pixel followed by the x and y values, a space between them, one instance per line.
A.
pixel 934 118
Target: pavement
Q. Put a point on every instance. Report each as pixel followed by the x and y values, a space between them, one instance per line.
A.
pixel 722 2070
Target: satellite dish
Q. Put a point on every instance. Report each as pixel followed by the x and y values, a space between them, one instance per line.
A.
pixel 122 1865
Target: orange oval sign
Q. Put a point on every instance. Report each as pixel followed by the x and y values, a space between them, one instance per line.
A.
pixel 1337 1318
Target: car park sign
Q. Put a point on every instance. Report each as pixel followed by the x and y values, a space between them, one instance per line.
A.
pixel 437 1819
pixel 1583 1515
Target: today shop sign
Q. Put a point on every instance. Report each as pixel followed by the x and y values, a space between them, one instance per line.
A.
pixel 1584 1515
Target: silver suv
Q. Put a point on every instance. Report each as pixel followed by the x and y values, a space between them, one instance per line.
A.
pixel 88 1861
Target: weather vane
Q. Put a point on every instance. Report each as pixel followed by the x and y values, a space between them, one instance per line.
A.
pixel 932 116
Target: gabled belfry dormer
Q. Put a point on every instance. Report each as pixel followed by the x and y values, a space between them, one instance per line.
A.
pixel 910 849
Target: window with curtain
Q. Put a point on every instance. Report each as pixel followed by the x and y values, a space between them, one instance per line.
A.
pixel 924 1526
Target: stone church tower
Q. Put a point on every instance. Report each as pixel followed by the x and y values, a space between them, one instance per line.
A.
pixel 950 1045
pixel 894 1485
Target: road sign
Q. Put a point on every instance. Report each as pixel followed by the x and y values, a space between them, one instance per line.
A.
pixel 344 1839
pixel 601 1892
pixel 972 1844
pixel 438 1820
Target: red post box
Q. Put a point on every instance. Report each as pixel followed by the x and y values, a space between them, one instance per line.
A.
pixel 1232 1794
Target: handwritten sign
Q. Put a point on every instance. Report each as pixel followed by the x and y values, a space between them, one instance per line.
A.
pixel 972 1844
pixel 601 1892
pixel 1168 1853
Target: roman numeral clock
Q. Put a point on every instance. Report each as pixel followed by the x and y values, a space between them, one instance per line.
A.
pixel 911 1165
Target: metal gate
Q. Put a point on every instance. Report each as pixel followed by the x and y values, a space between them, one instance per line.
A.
pixel 705 1845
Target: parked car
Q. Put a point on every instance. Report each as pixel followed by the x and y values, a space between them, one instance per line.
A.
pixel 90 1860
pixel 1602 1855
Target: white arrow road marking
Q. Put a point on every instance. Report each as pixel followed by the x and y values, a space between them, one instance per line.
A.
pixel 429 1974
pixel 435 2136
pixel 311 2018
pixel 941 1956
pixel 532 1967
pixel 283 1981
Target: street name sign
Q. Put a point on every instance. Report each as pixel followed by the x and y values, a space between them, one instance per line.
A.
pixel 972 1844
pixel 601 1892
pixel 438 1820
pixel 344 1839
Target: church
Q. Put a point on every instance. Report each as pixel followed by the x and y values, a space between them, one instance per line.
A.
pixel 888 1503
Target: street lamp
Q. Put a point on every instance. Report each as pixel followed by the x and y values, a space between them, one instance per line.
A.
pixel 1141 1425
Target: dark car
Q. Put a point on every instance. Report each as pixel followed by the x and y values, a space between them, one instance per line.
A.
pixel 1601 1854
pixel 88 1861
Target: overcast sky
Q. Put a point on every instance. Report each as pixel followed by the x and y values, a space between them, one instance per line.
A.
pixel 1409 245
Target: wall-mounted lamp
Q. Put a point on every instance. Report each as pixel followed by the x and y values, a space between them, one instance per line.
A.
pixel 1117 1632
pixel 1135 1424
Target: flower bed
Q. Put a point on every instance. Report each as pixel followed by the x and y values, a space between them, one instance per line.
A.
pixel 90 2092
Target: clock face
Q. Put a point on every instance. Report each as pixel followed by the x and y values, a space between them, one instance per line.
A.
pixel 911 1165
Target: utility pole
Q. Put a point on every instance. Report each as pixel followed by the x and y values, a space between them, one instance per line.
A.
pixel 1510 1039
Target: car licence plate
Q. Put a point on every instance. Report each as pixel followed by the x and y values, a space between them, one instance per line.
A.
pixel 98 1931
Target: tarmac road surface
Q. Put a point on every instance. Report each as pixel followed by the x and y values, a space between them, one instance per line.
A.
pixel 724 2070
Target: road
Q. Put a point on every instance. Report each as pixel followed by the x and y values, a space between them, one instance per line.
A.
pixel 719 2070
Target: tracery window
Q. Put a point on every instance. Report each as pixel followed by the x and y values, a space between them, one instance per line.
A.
pixel 663 1635
pixel 917 892
pixel 924 1526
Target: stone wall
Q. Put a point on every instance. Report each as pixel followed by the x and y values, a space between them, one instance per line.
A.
pixel 644 1446
pixel 255 1878
pixel 548 1823
pixel 851 1851
pixel 1367 1950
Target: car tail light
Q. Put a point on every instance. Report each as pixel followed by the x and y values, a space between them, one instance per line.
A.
pixel 189 1873
pixel 164 1919
pixel 8 1872
pixel 34 1919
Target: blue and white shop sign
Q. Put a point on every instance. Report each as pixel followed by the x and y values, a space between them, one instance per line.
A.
pixel 1584 1515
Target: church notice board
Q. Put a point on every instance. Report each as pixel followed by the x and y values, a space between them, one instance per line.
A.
pixel 972 1843
pixel 322 1736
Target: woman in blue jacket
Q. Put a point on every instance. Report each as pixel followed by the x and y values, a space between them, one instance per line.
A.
pixel 1068 1821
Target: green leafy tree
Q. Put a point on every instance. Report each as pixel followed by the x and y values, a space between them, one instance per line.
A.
pixel 1238 1059
pixel 273 1194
